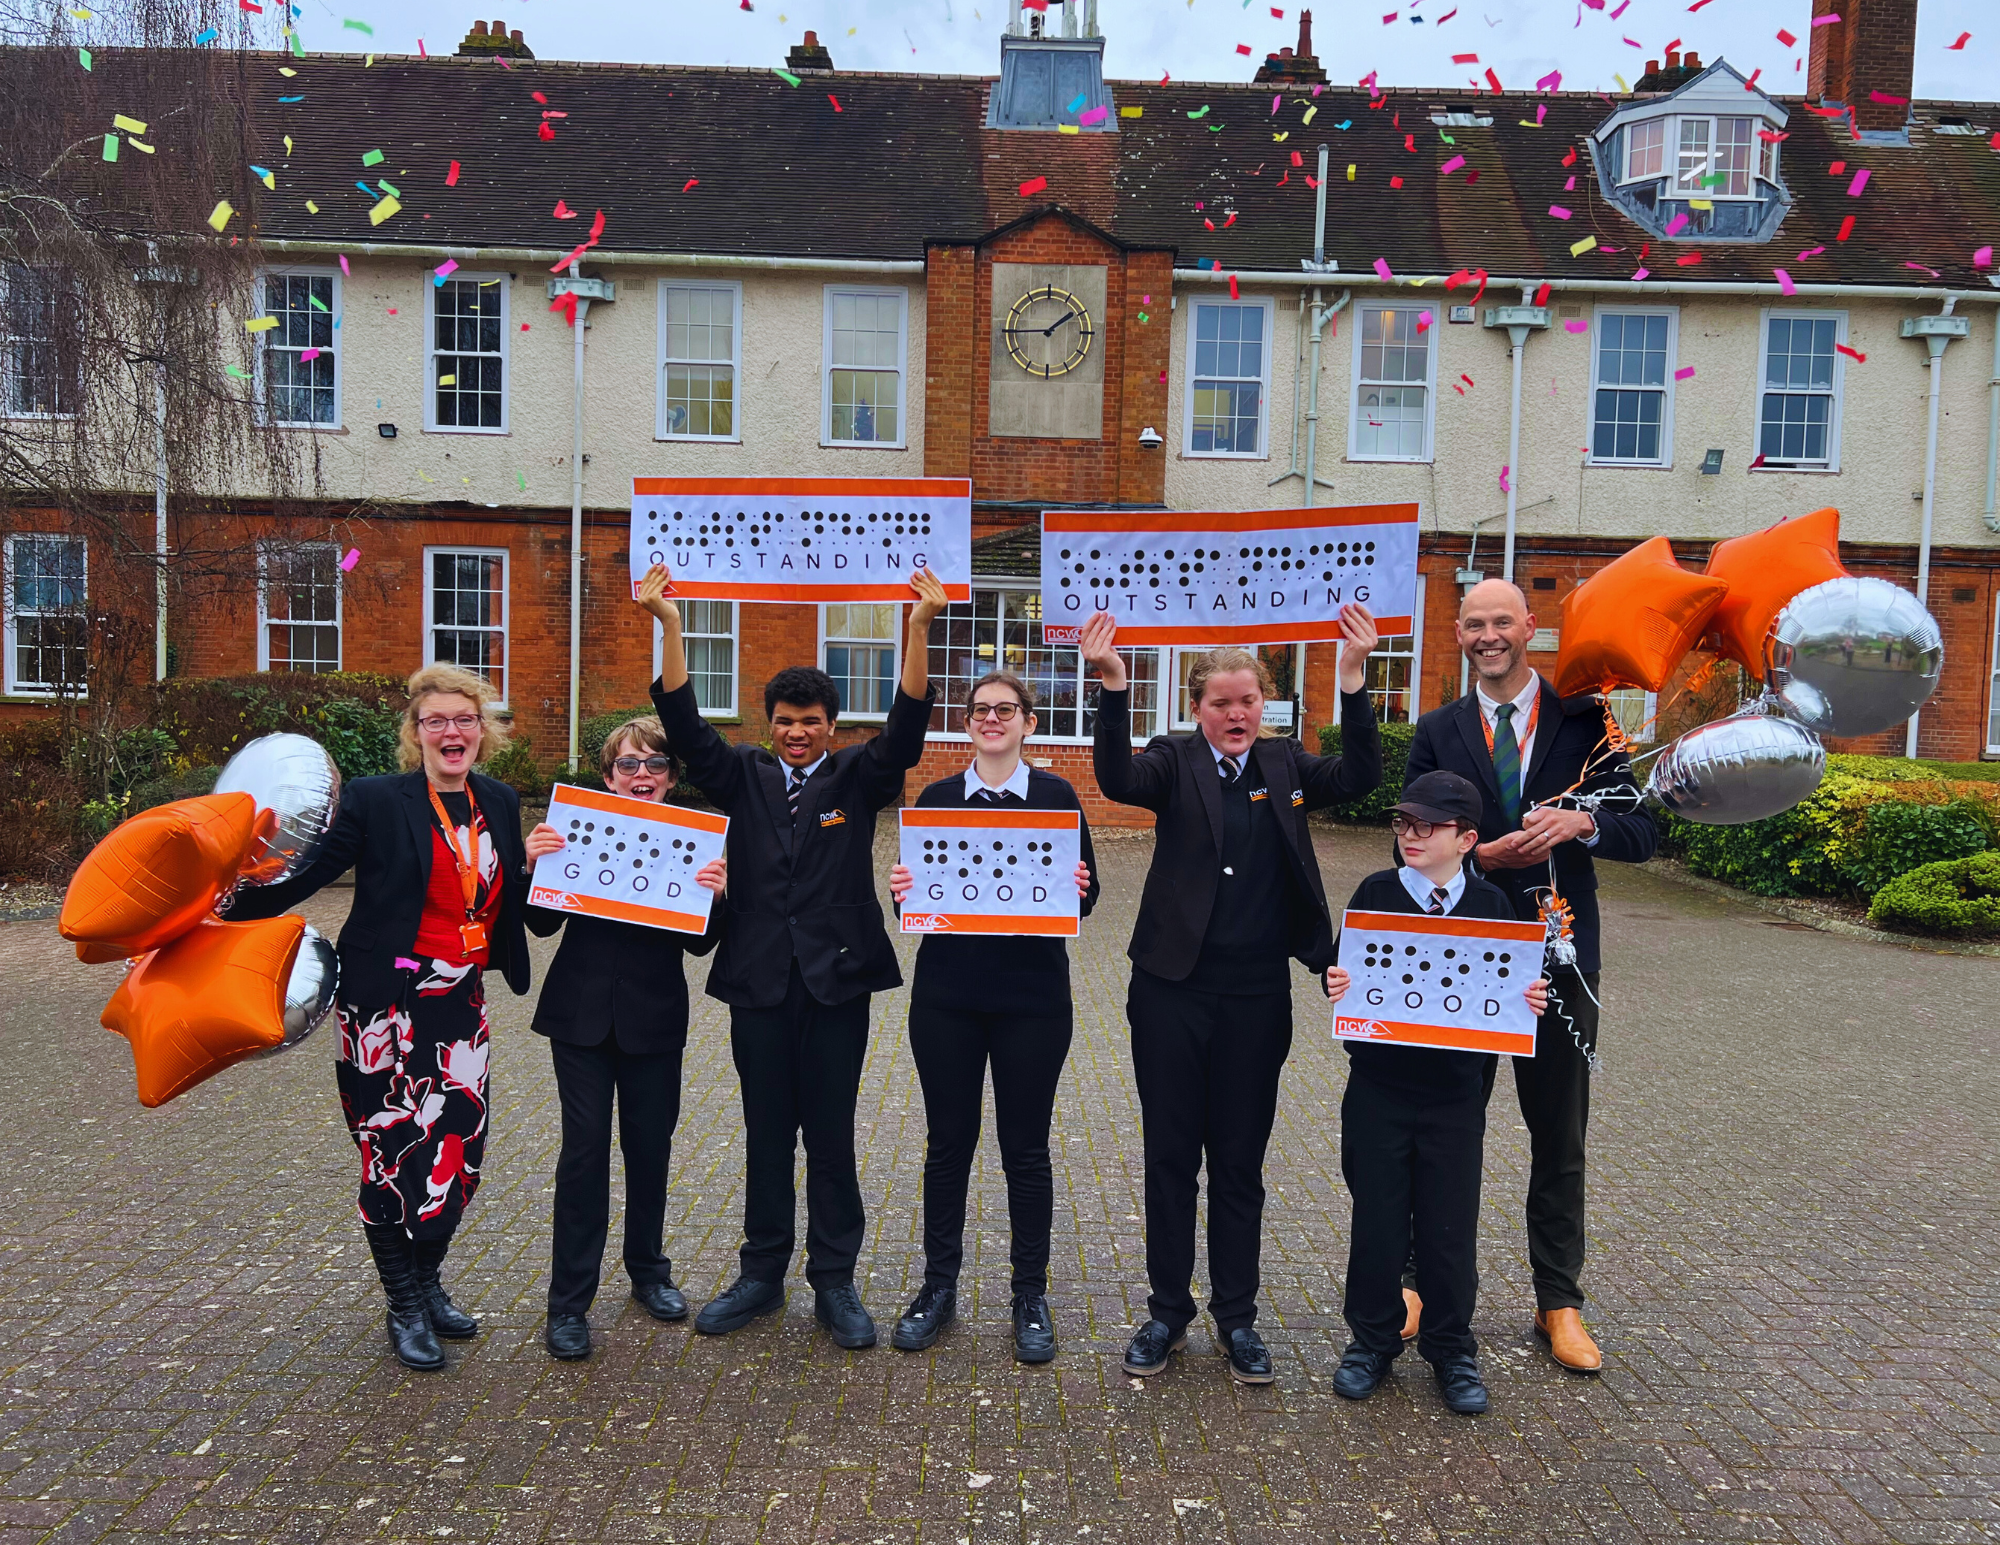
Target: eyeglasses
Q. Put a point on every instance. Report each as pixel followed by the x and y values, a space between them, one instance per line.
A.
pixel 1001 711
pixel 437 723
pixel 655 765
pixel 1409 826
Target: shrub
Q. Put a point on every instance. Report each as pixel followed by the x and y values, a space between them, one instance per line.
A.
pixel 140 754
pixel 1373 808
pixel 1897 838
pixel 1958 896
pixel 360 736
pixel 210 718
pixel 516 768
pixel 590 738
pixel 177 783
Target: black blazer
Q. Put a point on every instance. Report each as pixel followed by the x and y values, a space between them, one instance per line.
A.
pixel 807 896
pixel 1003 973
pixel 1175 778
pixel 1568 731
pixel 383 833
pixel 619 979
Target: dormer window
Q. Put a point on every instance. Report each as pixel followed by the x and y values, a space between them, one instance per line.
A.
pixel 1646 150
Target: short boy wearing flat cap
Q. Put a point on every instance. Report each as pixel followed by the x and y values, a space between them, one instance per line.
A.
pixel 1413 1125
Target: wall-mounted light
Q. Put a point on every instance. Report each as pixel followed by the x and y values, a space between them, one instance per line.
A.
pixel 1711 464
pixel 386 431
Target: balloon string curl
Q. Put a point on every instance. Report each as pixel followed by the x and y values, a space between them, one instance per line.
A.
pixel 1560 950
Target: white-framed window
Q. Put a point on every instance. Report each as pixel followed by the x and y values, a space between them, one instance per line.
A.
pixel 47 622
pixel 1632 386
pixel 1993 690
pixel 701 358
pixel 708 630
pixel 1800 374
pixel 1000 628
pixel 866 340
pixel 466 365
pixel 298 607
pixel 1392 385
pixel 1636 711
pixel 301 355
pixel 1229 376
pixel 858 649
pixel 1646 149
pixel 1717 156
pixel 38 377
pixel 465 610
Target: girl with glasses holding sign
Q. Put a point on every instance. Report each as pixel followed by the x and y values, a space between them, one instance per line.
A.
pixel 441 876
pixel 1002 997
pixel 615 1011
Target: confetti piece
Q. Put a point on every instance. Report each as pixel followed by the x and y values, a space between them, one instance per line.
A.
pixel 836 105
pixel 1394 182
pixel 545 132
pixel 206 37
pixel 371 158
pixel 389 188
pixel 83 57
pixel 1503 480
pixel 1853 354
pixel 1634 42
pixel 448 380
pixel 351 25
pixel 291 99
pixel 1574 326
pixel 1465 58
pixel 1924 268
pixel 1846 229
pixel 111 147
pixel 1963 39
pixel 1243 49
pixel 1686 372
pixel 1785 285
pixel 308 354
pixel 1542 294
pixel 1885 100
pixel 218 217
pixel 1860 181
pixel 1983 257
pixel 1350 171
pixel 1687 261
pixel 384 210
pixel 1451 166
pixel 1382 271
pixel 241 375
pixel 1701 203
pixel 348 559
pixel 1494 81
pixel 445 269
pixel 1810 252
pixel 1786 38
pixel 1311 113
pixel 1200 112
pixel 1068 128
pixel 1751 83
pixel 129 125
pixel 250 5
pixel 1677 224
pixel 311 207
pixel 1232 288
pixel 260 324
pixel 1550 82
pixel 690 185
pixel 1826 21
pixel 1577 249
pixel 1621 82
pixel 1557 212
pixel 1131 112
pixel 1447 16
pixel 1569 156
pixel 1033 186
pixel 1425 320
pixel 1640 273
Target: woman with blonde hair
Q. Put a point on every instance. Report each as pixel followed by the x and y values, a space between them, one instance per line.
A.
pixel 440 881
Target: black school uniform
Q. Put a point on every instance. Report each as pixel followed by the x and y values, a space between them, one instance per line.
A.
pixel 1003 998
pixel 1412 1141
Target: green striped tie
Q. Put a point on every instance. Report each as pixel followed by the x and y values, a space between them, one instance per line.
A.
pixel 1507 764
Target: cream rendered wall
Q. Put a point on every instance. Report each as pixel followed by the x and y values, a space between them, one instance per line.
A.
pixel 383 375
pixel 1883 412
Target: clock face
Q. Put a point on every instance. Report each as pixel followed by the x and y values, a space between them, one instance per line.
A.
pixel 1048 332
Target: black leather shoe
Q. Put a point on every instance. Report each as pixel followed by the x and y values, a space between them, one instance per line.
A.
pixel 1459 1382
pixel 662 1300
pixel 924 1321
pixel 567 1336
pixel 840 1311
pixel 1034 1329
pixel 738 1304
pixel 410 1334
pixel 446 1318
pixel 1150 1346
pixel 1360 1372
pixel 1249 1358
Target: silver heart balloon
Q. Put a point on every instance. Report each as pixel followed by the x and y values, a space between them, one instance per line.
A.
pixel 292 777
pixel 309 990
pixel 1854 655
pixel 1743 768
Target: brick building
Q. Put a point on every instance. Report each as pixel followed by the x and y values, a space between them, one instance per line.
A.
pixel 811 268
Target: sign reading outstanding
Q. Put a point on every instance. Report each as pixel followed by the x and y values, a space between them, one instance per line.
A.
pixel 1251 576
pixel 802 539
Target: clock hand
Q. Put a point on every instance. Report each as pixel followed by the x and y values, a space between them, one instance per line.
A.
pixel 1067 316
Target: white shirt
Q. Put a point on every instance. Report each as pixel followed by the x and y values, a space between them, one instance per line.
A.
pixel 1016 784
pixel 1242 762
pixel 1420 886
pixel 1524 736
pixel 795 775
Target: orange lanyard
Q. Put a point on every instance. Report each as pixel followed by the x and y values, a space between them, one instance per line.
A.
pixel 1521 739
pixel 468 872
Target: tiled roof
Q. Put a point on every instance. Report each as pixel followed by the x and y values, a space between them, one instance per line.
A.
pixel 709 160
pixel 1012 554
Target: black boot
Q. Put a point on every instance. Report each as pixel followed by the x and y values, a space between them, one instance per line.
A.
pixel 410 1336
pixel 446 1318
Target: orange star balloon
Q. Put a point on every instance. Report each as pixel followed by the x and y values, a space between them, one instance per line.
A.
pixel 1764 571
pixel 1632 621
pixel 211 997
pixel 158 874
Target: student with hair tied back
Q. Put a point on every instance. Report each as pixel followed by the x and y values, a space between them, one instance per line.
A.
pixel 998 997
pixel 1233 895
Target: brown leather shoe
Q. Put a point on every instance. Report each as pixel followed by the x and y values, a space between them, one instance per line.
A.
pixel 1569 1343
pixel 1414 1313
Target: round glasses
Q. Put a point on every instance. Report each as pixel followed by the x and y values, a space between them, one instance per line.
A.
pixel 437 723
pixel 1409 826
pixel 1001 711
pixel 656 765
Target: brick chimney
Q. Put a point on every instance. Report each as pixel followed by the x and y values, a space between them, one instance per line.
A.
pixel 809 55
pixel 1868 54
pixel 1297 65
pixel 482 41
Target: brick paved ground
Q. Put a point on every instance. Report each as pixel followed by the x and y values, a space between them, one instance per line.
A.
pixel 1793 1265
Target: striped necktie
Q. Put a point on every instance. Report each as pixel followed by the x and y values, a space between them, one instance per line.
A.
pixel 1230 768
pixel 1439 896
pixel 1507 763
pixel 795 785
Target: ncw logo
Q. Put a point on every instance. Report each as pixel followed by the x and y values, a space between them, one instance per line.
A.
pixel 925 922
pixel 1360 1029
pixel 542 896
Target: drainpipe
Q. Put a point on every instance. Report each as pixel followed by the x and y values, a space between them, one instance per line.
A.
pixel 1993 436
pixel 585 291
pixel 1519 321
pixel 160 508
pixel 1318 326
pixel 1937 333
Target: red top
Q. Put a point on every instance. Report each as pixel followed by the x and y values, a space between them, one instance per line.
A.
pixel 438 937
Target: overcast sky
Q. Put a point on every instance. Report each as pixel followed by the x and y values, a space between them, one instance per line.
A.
pixel 1522 40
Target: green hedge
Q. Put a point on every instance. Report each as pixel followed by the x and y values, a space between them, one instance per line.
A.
pixel 1373 809
pixel 353 714
pixel 1959 896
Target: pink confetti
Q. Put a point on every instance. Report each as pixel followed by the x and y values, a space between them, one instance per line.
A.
pixel 1503 479
pixel 1684 373
pixel 1635 43
pixel 1678 223
pixel 1826 21
pixel 1574 326
pixel 1243 49
pixel 1556 211
pixel 1424 320
pixel 1639 274
pixel 1454 11
pixel 1983 258
pixel 1275 104
pixel 447 267
pixel 1095 115
pixel 1389 18
pixel 1860 181
pixel 343 266
pixel 1451 166
pixel 1623 5
pixel 451 176
pixel 1550 82
pixel 1810 252
pixel 352 557
pixel 1785 285
pixel 1885 100
pixel 306 354
pixel 1382 271
pixel 1921 268
pixel 1570 186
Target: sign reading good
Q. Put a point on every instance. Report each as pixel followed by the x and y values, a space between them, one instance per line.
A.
pixel 1451 982
pixel 802 538
pixel 628 859
pixel 1264 576
pixel 991 871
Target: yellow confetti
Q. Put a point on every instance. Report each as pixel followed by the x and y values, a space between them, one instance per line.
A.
pixel 1281 138
pixel 1579 248
pixel 1131 112
pixel 383 210
pixel 1701 203
pixel 1350 171
pixel 1621 83
pixel 139 144
pixel 1311 113
pixel 425 476
pixel 218 217
pixel 311 207
pixel 270 180
pixel 129 125
pixel 368 61
pixel 1068 128
pixel 286 69
pixel 852 30
pixel 260 324
pixel 447 380
pixel 82 15
pixel 288 144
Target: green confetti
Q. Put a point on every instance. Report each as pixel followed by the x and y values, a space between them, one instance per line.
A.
pixel 1446 138
pixel 371 158
pixel 83 57
pixel 298 48
pixel 241 375
pixel 111 147
pixel 317 304
pixel 1215 128
pixel 1200 112
pixel 786 76
pixel 388 187
pixel 522 479
pixel 358 26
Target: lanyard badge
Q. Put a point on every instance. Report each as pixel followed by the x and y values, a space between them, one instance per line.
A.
pixel 472 932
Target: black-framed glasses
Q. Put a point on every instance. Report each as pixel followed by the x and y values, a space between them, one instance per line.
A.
pixel 1409 826
pixel 656 765
pixel 437 723
pixel 1001 711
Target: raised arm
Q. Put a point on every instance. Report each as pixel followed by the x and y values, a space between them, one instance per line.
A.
pixel 712 763
pixel 900 746
pixel 1337 780
pixel 1146 780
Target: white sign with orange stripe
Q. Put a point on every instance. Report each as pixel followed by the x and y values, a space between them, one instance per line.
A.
pixel 990 870
pixel 1257 576
pixel 802 538
pixel 1450 982
pixel 628 859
